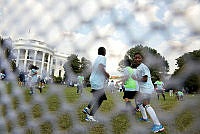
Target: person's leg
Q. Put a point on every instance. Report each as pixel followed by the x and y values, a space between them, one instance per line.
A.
pixel 158 95
pixel 81 89
pixel 92 101
pixel 96 106
pixel 77 89
pixel 157 126
pixel 163 95
pixel 31 90
pixel 129 106
pixel 40 89
pixel 151 112
pixel 170 92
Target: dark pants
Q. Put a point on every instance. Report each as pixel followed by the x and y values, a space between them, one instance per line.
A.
pixel 160 92
pixel 98 97
pixel 79 88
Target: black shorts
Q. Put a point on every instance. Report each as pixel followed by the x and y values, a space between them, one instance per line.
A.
pixel 99 94
pixel 21 79
pixel 42 81
pixel 130 94
pixel 159 91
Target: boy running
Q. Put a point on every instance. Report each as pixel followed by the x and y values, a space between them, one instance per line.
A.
pixel 146 87
pixel 80 83
pixel 159 87
pixel 97 79
pixel 33 80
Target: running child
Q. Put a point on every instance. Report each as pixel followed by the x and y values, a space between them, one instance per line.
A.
pixel 131 86
pixel 146 87
pixel 159 87
pixel 98 79
pixel 80 80
pixel 33 79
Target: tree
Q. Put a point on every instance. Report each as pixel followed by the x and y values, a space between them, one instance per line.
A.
pixel 188 72
pixel 7 56
pixel 73 66
pixel 86 69
pixel 156 63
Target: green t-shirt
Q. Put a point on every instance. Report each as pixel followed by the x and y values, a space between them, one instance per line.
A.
pixel 80 79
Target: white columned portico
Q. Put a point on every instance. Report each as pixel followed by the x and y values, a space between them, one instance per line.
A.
pixel 48 65
pixel 18 56
pixel 51 65
pixel 42 66
pixel 25 59
pixel 34 60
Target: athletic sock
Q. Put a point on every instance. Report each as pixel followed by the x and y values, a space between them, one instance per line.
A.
pixel 143 111
pixel 152 114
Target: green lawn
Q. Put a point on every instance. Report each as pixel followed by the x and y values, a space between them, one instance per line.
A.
pixel 119 122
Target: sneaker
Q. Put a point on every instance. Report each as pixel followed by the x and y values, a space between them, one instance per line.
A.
pixel 142 119
pixel 157 128
pixel 85 110
pixel 137 109
pixel 90 118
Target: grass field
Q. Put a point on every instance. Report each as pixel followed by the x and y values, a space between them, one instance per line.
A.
pixel 115 121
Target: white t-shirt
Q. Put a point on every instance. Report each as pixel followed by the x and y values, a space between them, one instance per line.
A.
pixel 97 78
pixel 160 85
pixel 126 73
pixel 34 75
pixel 112 83
pixel 145 87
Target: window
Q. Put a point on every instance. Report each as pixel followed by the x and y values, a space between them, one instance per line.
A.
pixel 54 61
pixel 60 73
pixel 53 70
pixel 60 63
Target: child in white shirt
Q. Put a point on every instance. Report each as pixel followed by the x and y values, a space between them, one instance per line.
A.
pixel 146 87
pixel 98 78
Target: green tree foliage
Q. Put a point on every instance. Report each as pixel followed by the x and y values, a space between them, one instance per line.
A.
pixel 86 69
pixel 75 63
pixel 188 71
pixel 6 48
pixel 156 63
pixel 74 66
pixel 58 79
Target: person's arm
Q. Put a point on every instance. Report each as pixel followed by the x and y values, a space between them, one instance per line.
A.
pixel 143 79
pixel 123 79
pixel 101 66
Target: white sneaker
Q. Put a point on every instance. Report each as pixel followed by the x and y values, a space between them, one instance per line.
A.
pixel 90 118
pixel 86 110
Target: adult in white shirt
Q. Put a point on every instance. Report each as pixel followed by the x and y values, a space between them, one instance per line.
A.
pixel 97 80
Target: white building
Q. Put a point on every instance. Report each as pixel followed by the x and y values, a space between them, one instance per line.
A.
pixel 40 54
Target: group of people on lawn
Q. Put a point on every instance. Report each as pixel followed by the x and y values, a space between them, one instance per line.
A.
pixel 137 83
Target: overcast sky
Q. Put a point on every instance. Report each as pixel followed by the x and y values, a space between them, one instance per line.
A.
pixel 80 26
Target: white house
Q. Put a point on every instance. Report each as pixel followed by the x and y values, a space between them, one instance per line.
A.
pixel 40 54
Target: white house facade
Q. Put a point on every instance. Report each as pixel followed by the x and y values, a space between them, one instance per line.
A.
pixel 40 54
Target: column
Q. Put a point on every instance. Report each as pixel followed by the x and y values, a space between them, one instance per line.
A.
pixel 56 68
pixel 34 60
pixel 48 65
pixel 42 66
pixel 18 56
pixel 50 68
pixel 25 60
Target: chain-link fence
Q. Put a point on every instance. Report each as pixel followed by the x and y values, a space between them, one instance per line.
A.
pixel 80 27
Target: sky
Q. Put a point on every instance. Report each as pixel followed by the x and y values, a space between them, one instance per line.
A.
pixel 78 26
